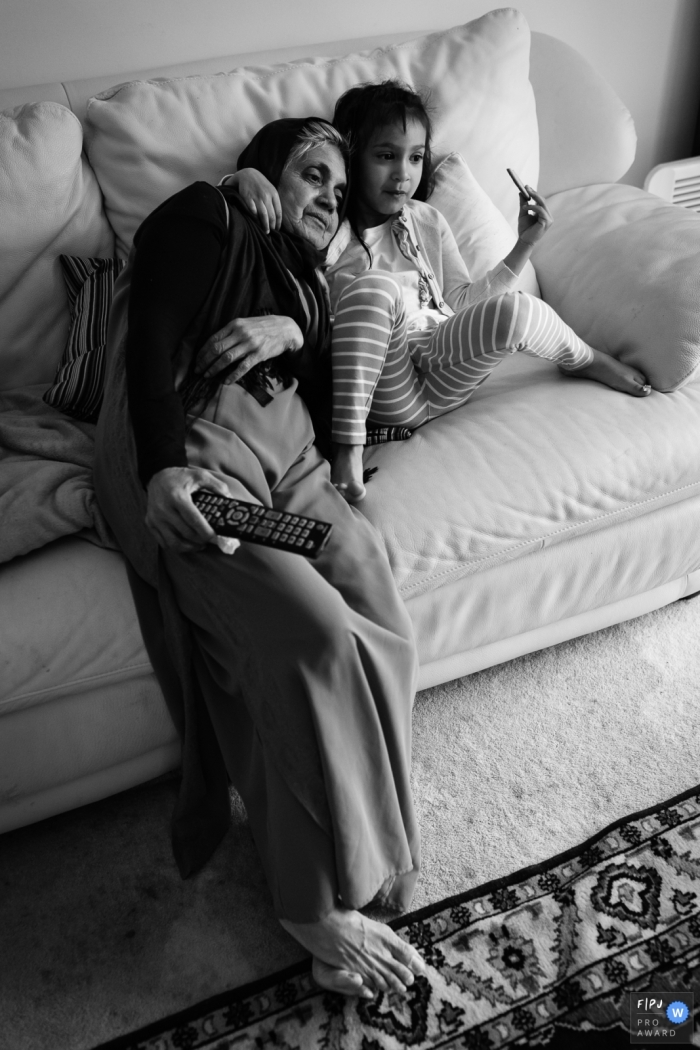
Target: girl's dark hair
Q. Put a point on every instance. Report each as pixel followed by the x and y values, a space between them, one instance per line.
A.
pixel 367 107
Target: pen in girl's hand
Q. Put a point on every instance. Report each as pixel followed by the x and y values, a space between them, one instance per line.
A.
pixel 518 183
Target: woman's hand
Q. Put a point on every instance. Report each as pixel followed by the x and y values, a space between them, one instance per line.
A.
pixel 534 218
pixel 248 340
pixel 260 195
pixel 170 513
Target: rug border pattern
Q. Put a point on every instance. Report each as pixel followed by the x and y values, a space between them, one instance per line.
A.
pixel 294 983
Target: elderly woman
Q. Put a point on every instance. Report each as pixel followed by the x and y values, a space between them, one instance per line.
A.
pixel 293 679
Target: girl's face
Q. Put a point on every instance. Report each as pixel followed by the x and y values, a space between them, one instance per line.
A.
pixel 390 169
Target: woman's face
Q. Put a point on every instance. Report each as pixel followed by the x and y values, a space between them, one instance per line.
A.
pixel 311 190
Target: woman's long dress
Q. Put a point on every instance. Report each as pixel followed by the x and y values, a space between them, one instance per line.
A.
pixel 306 669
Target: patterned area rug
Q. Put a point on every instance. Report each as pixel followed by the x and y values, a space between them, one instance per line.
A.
pixel 546 957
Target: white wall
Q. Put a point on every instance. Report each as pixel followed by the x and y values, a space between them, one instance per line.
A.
pixel 647 49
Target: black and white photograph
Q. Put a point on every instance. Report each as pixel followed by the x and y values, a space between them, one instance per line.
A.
pixel 349 524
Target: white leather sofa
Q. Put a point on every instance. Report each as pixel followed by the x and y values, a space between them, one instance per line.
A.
pixel 546 508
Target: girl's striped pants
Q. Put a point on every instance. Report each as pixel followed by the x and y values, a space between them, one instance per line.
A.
pixel 394 377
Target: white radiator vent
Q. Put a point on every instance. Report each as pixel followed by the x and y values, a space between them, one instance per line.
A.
pixel 678 182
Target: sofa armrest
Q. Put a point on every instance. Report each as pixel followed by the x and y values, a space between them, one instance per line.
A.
pixel 622 267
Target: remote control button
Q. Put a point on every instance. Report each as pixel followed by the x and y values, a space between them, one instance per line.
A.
pixel 261 530
pixel 274 514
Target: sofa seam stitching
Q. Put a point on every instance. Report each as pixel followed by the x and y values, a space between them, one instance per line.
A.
pixel 542 539
pixel 77 682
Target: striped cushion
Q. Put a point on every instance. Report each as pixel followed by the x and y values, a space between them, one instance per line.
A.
pixel 77 388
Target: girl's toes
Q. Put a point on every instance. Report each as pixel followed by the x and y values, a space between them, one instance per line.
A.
pixel 341 981
pixel 638 383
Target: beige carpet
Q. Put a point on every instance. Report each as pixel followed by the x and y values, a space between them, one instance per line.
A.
pixel 98 935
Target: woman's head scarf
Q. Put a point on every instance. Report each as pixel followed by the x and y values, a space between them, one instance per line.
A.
pixel 269 149
pixel 257 264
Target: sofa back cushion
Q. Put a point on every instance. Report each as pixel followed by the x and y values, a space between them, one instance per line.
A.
pixel 50 204
pixel 148 139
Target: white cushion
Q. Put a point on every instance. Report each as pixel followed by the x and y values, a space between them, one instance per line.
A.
pixel 148 139
pixel 622 267
pixel 483 234
pixel 49 203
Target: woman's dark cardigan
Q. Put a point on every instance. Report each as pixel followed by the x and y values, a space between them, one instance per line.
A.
pixel 190 276
pixel 191 271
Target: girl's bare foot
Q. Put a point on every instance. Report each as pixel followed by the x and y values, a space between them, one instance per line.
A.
pixel 355 955
pixel 606 369
pixel 346 472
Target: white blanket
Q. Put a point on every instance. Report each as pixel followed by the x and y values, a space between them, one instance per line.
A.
pixel 45 476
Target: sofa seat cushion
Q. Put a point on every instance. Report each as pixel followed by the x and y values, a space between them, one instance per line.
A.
pixel 68 624
pixel 148 139
pixel 533 459
pixel 81 713
pixel 585 583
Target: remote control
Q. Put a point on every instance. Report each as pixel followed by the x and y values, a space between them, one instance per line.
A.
pixel 256 524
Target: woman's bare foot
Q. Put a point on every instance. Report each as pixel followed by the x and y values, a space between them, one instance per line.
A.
pixel 355 955
pixel 606 369
pixel 346 472
pixel 341 981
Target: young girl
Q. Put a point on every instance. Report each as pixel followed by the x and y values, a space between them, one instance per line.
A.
pixel 413 336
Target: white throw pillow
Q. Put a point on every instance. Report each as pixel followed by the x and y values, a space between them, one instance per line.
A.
pixel 622 267
pixel 482 233
pixel 50 204
pixel 148 139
